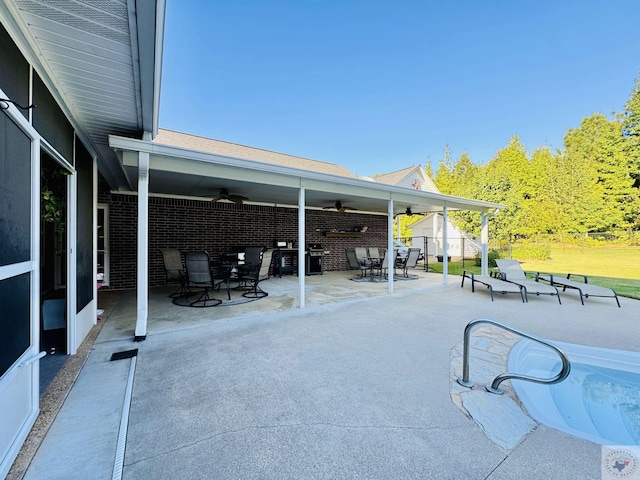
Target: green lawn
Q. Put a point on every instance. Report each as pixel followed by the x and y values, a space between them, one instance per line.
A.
pixel 615 267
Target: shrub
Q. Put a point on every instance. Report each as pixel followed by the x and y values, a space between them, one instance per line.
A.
pixel 491 254
pixel 531 251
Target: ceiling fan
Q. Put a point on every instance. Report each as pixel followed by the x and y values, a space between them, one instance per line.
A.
pixel 409 213
pixel 225 195
pixel 341 208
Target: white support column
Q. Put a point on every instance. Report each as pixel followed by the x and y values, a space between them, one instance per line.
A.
pixel 484 244
pixel 445 249
pixel 302 259
pixel 435 233
pixel 143 246
pixel 391 258
pixel 72 276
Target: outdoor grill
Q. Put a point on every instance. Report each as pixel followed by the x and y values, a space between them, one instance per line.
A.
pixel 314 265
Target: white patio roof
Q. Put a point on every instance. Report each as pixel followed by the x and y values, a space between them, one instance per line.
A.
pixel 186 172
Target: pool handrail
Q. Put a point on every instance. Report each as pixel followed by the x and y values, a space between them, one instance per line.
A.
pixel 493 388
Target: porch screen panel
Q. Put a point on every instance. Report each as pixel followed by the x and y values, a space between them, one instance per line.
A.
pixel 50 121
pixel 14 319
pixel 15 186
pixel 14 80
pixel 84 248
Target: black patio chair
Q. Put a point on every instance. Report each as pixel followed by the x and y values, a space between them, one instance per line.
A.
pixel 175 271
pixel 254 274
pixel 249 265
pixel 199 276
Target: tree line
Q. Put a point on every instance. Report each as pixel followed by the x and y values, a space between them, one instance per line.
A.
pixel 592 184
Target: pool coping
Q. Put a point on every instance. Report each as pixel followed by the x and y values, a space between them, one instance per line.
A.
pixel 502 418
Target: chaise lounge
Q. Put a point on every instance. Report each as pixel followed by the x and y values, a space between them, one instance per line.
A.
pixel 494 285
pixel 584 288
pixel 511 271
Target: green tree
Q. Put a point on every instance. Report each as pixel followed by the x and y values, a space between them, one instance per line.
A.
pixel 505 178
pixel 540 201
pixel 444 177
pixel 631 148
pixel 602 193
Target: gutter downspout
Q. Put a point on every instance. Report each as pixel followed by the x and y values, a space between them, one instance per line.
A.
pixel 391 257
pixel 445 249
pixel 484 242
pixel 302 251
pixel 143 245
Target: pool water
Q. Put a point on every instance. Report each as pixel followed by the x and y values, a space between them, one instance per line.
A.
pixel 598 401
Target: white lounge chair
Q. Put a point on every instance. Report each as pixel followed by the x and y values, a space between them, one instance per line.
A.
pixel 584 288
pixel 494 285
pixel 511 271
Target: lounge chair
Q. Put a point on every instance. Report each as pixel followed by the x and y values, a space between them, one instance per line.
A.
pixel 511 271
pixel 494 285
pixel 584 288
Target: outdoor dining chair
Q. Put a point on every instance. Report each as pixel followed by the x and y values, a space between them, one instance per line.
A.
pixel 199 276
pixel 254 274
pixel 374 256
pixel 383 266
pixel 174 271
pixel 252 260
pixel 356 264
pixel 410 261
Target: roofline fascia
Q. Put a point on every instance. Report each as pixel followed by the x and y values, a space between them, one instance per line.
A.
pixel 133 145
pixel 159 49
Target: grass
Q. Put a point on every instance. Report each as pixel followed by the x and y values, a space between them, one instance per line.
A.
pixel 616 267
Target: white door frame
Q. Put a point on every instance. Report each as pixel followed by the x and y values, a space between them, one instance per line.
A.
pixel 19 386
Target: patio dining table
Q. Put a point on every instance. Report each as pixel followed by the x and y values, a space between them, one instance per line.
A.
pixel 227 269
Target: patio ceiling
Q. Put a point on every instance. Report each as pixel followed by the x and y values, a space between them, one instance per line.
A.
pixel 101 61
pixel 192 173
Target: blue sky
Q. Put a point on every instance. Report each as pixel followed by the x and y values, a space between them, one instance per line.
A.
pixel 382 85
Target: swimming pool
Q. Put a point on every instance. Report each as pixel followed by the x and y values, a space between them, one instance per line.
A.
pixel 599 400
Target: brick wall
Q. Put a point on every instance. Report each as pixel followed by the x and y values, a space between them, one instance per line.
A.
pixel 220 228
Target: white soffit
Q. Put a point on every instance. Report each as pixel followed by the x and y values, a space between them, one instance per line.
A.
pixel 98 58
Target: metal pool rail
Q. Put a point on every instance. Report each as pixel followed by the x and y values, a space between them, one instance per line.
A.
pixel 493 388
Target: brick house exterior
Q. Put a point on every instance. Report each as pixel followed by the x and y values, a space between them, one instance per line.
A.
pixel 219 228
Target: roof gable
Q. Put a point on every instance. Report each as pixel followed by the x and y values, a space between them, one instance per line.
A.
pixel 411 177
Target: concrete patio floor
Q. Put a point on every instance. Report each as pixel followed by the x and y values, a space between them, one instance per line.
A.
pixel 356 385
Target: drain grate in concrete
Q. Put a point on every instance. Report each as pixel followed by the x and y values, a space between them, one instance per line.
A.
pixel 125 354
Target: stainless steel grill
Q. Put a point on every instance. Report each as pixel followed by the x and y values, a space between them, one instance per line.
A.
pixel 314 264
